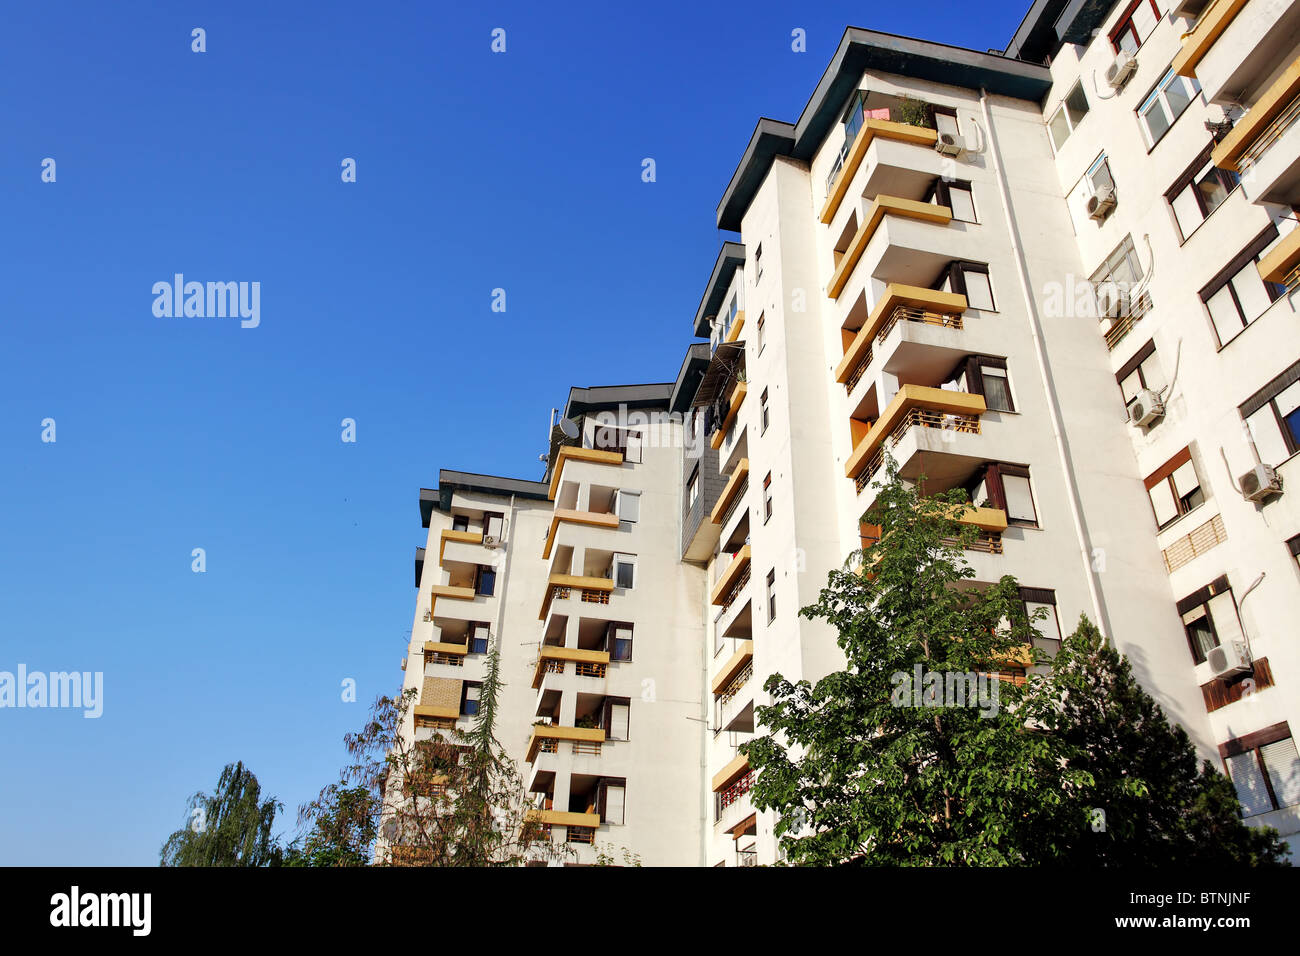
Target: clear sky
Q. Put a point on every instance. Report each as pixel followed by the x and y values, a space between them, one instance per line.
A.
pixel 475 171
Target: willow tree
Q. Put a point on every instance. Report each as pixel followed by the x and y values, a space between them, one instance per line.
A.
pixel 229 827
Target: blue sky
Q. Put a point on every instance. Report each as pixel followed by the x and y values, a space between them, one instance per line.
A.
pixel 475 171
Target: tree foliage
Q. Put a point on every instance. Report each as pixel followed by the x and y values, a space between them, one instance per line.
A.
pixel 229 827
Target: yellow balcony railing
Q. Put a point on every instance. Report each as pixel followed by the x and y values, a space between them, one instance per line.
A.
pixel 899 303
pixel 914 406
pixel 1214 20
pixel 567 453
pixel 733 408
pixel 1282 261
pixel 1258 125
pixel 734 666
pixel 465 537
pixel 730 577
pixel 567 516
pixel 731 492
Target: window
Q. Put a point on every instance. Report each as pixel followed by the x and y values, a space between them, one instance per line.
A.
pixel 1096 179
pixel 945 120
pixel 1237 296
pixel 623 440
pixel 478 638
pixel 1273 416
pixel 1006 487
pixel 771 596
pixel 627 505
pixel 618 641
pixel 764 413
pixel 494 524
pixel 957 196
pixel 1293 546
pixel 767 497
pixel 1210 618
pixel 624 570
pixel 761 333
pixel 615 718
pixel 986 376
pixel 611 796
pixel 1048 627
pixel 1116 280
pixel 469 701
pixel 1066 119
pixel 758 262
pixel 1135 26
pixel 1165 104
pixel 970 279
pixel 1265 769
pixel 1174 489
pixel 1201 189
pixel 460 523
pixel 485 580
pixel 1141 371
pixel 693 488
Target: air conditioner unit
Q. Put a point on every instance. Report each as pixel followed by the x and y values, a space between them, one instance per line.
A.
pixel 1119 72
pixel 1110 302
pixel 950 144
pixel 1101 203
pixel 1260 483
pixel 1229 659
pixel 493 541
pixel 403 663
pixel 1145 408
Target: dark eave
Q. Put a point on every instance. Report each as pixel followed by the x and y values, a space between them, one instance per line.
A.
pixel 861 50
pixel 611 397
pixel 688 379
pixel 1035 39
pixel 1080 18
pixel 730 258
pixel 439 498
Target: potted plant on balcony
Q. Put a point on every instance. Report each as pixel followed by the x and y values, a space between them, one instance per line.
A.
pixel 914 112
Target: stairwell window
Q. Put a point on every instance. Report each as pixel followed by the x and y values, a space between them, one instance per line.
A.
pixel 1210 618
pixel 1066 118
pixel 1237 296
pixel 771 596
pixel 618 641
pixel 764 413
pixel 1165 104
pixel 1265 769
pixel 986 376
pixel 1135 26
pixel 627 505
pixel 957 196
pixel 1174 489
pixel 1273 416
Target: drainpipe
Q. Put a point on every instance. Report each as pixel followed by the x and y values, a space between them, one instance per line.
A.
pixel 1053 406
pixel 503 576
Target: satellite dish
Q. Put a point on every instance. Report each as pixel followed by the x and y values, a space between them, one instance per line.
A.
pixel 569 427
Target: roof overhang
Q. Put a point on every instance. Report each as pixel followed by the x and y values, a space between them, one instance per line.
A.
pixel 730 258
pixel 449 482
pixel 859 51
pixel 688 378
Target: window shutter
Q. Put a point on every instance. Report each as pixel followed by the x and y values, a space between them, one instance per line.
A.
pixel 997 494
pixel 974 377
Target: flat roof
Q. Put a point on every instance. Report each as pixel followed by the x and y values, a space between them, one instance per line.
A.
pixel 439 498
pixel 862 50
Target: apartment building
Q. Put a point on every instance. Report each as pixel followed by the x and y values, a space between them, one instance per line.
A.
pixel 1060 277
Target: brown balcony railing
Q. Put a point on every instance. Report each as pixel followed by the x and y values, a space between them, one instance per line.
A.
pixel 582 835
pixel 589 669
pixel 736 589
pixel 1269 135
pixel 916 418
pixel 737 684
pixel 987 542
pixel 900 313
pixel 1122 324
pixel 451 660
pixel 552 666
pixel 591 596
pixel 736 499
pixel 548 745
pixel 586 748
pixel 858 371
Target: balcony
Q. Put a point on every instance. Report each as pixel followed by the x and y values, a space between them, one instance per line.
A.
pixel 727 686
pixel 590 519
pixel 990 522
pixel 1264 146
pixel 1282 263
pixel 900 303
pixel 731 786
pixel 450 593
pixel 733 408
pixel 732 579
pixel 567 453
pixel 546 738
pixel 732 493
pixel 564 660
pixel 560 818
pixel 850 160
pixel 1211 25
pixel 876 213
pixel 460 537
pixel 564 587
pixel 1122 323
pixel 1235 48
pixel 915 406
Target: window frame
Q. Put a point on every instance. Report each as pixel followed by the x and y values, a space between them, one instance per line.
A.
pixel 764 413
pixel 767 497
pixel 1063 110
pixel 1136 365
pixel 1202 598
pixel 1191 178
pixel 941 193
pixel 771 596
pixel 1164 475
pixel 611 641
pixel 1225 276
pixel 1267 396
pixel 484 572
pixel 1125 25
pixel 1254 744
pixel 1158 93
pixel 622 495
pixel 623 558
pixel 954 277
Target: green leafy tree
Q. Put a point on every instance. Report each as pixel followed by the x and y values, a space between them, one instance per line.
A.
pixel 856 772
pixel 1150 803
pixel 230 827
pixel 344 825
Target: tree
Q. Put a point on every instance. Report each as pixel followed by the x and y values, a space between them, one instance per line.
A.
pixel 230 827
pixel 1149 802
pixel 856 770
pixel 450 798
pixel 344 825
